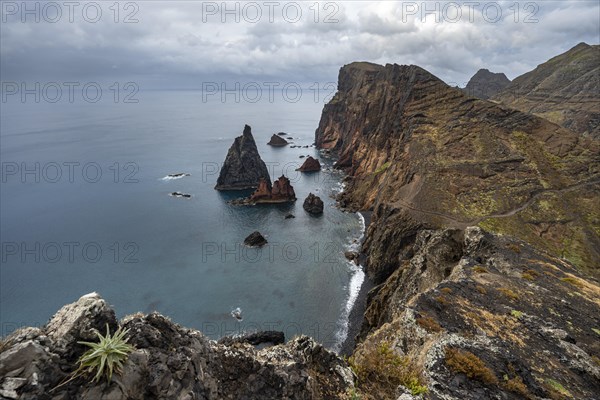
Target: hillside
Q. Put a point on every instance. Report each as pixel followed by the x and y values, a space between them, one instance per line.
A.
pixel 563 90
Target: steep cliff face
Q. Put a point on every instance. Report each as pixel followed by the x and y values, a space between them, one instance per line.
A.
pixel 563 90
pixel 243 168
pixel 421 154
pixel 169 362
pixel 485 84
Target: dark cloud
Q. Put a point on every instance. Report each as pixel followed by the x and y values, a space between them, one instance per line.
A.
pixel 179 42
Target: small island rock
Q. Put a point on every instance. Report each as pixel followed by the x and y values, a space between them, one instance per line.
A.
pixel 310 165
pixel 255 239
pixel 313 204
pixel 277 141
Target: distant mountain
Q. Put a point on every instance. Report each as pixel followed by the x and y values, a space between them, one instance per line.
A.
pixel 485 84
pixel 564 90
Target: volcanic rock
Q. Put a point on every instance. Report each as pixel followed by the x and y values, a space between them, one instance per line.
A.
pixel 255 239
pixel 281 192
pixel 485 84
pixel 310 165
pixel 243 168
pixel 313 204
pixel 277 141
pixel 255 338
pixel 169 362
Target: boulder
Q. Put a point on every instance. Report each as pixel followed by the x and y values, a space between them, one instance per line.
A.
pixel 310 165
pixel 255 239
pixel 243 168
pixel 313 204
pixel 277 141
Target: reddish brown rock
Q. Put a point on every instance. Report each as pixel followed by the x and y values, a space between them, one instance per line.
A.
pixel 310 165
pixel 281 192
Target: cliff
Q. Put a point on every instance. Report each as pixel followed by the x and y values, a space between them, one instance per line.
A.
pixel 485 84
pixel 421 154
pixel 169 362
pixel 457 312
pixel 563 90
pixel 243 168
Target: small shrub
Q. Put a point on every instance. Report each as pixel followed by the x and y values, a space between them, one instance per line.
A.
pixel 429 324
pixel 442 300
pixel 516 385
pixel 479 269
pixel 514 247
pixel 446 290
pixel 383 369
pixel 508 293
pixel 382 168
pixel 465 362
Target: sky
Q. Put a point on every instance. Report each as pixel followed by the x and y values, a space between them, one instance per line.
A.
pixel 183 44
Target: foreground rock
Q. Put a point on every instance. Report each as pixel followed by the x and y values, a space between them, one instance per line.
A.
pixel 277 141
pixel 281 192
pixel 255 239
pixel 310 165
pixel 485 84
pixel 255 338
pixel 170 362
pixel 243 168
pixel 313 204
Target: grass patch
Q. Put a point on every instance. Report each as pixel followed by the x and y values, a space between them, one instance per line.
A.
pixel 516 385
pixel 481 289
pixel 572 281
pixel 383 168
pixel 429 324
pixel 465 362
pixel 516 314
pixel 479 269
pixel 597 331
pixel 509 293
pixel 557 387
pixel 442 300
pixel 446 290
pixel 381 370
pixel 530 275
pixel 514 247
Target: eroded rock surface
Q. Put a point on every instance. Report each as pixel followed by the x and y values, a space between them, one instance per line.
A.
pixel 485 84
pixel 310 165
pixel 313 204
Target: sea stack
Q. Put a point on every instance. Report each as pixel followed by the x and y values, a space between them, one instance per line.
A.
pixel 255 239
pixel 310 165
pixel 243 168
pixel 277 141
pixel 313 204
pixel 280 192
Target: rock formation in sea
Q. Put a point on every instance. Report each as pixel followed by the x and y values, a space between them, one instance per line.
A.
pixel 280 192
pixel 313 204
pixel 169 362
pixel 255 239
pixel 563 90
pixel 310 165
pixel 482 244
pixel 277 141
pixel 243 168
pixel 485 84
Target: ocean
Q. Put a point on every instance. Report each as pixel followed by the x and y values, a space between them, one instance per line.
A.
pixel 86 206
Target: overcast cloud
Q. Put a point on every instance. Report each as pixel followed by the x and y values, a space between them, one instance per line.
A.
pixel 182 44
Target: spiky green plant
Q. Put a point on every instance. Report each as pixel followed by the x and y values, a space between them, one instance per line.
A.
pixel 106 356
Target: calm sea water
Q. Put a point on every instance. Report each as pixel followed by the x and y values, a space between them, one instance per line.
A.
pixel 85 207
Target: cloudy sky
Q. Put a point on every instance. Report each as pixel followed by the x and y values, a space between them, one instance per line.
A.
pixel 180 44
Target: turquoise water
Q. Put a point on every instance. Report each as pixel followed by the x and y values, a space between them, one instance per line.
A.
pixel 108 223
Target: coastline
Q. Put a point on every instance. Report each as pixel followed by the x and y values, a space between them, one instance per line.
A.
pixel 356 316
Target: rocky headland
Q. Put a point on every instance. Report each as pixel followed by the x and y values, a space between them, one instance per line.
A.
pixel 243 168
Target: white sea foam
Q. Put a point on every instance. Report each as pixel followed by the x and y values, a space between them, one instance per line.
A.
pixel 171 177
